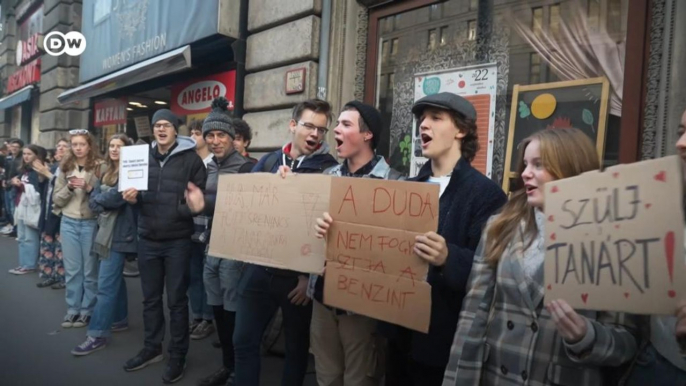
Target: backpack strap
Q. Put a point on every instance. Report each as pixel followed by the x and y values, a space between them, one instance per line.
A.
pixel 270 162
pixel 246 167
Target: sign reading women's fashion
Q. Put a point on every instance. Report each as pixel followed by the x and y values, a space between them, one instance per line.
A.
pixel 133 167
pixel 615 239
pixel 371 266
pixel 196 96
pixel 477 84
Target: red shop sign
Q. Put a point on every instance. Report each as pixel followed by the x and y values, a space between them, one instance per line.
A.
pixel 26 75
pixel 109 112
pixel 27 50
pixel 195 96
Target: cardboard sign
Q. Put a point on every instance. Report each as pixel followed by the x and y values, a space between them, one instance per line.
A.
pixel 615 239
pixel 371 267
pixel 264 219
pixel 133 167
pixel 143 126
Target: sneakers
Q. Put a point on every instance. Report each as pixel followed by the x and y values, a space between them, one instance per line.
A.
pixel 174 370
pixel 69 320
pixel 193 325
pixel 7 229
pixel 47 283
pixel 21 271
pixel 120 326
pixel 82 321
pixel 89 346
pixel 131 269
pixel 59 286
pixel 144 358
pixel 203 330
pixel 218 378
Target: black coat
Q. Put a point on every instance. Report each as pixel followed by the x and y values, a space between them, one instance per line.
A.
pixel 468 201
pixel 164 214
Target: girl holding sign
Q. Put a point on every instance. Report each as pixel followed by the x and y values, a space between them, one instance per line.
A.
pixel 79 173
pixel 116 237
pixel 506 334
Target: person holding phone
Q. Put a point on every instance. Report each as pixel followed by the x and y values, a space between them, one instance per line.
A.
pixel 79 173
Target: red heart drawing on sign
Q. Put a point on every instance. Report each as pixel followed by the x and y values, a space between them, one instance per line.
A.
pixel 550 287
pixel 661 176
pixel 553 237
pixel 554 189
pixel 615 174
pixel 584 297
pixel 626 295
pixel 551 218
pixel 617 226
pixel 671 293
pixel 648 206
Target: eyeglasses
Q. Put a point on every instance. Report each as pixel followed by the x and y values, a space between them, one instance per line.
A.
pixel 311 127
pixel 78 132
pixel 159 126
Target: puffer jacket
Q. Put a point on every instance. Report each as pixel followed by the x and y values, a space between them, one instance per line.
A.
pixel 164 214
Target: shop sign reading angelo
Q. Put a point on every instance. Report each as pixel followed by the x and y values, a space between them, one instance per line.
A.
pixel 199 96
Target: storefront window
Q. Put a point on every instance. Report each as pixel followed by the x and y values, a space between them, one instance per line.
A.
pixel 531 46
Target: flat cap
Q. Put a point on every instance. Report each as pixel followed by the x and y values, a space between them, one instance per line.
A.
pixel 445 101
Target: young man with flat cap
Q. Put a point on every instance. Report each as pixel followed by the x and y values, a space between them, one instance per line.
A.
pixel 345 345
pixel 447 124
pixel 165 227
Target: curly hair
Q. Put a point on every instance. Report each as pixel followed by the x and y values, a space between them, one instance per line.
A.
pixel 470 143
pixel 92 159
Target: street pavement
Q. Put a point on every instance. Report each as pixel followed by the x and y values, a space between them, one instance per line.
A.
pixel 35 349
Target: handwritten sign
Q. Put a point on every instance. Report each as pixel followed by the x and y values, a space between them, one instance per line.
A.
pixel 371 268
pixel 264 219
pixel 133 167
pixel 615 239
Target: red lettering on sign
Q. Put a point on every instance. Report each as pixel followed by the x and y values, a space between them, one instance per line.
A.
pixel 349 196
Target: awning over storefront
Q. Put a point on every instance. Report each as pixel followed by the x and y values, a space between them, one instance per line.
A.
pixel 173 61
pixel 16 97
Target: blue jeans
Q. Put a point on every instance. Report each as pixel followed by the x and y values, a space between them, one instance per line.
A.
pixel 29 245
pixel 112 304
pixel 260 293
pixel 196 289
pixel 9 205
pixel 653 369
pixel 80 265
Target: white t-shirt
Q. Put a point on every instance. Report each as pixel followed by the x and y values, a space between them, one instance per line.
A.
pixel 442 181
pixel 208 159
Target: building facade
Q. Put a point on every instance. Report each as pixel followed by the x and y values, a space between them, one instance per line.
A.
pixel 268 55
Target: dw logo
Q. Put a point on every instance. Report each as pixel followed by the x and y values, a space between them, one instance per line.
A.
pixel 72 43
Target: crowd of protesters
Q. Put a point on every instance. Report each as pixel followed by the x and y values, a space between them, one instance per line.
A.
pixel 489 323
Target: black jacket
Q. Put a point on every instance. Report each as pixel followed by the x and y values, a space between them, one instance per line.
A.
pixel 124 239
pixel 468 201
pixel 164 214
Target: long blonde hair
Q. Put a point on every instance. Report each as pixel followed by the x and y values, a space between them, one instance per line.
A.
pixel 92 159
pixel 112 174
pixel 564 153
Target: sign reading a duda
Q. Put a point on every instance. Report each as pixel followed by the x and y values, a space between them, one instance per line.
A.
pixel 124 32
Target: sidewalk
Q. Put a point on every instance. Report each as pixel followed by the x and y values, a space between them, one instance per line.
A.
pixel 35 349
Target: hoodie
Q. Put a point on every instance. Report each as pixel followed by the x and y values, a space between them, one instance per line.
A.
pixel 164 214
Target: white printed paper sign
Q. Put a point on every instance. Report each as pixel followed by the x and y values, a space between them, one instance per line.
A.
pixel 133 167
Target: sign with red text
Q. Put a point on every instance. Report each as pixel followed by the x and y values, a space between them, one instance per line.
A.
pixel 196 96
pixel 26 75
pixel 371 268
pixel 27 50
pixel 263 219
pixel 109 112
pixel 615 239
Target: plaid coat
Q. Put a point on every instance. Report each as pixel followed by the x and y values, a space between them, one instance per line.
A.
pixel 521 346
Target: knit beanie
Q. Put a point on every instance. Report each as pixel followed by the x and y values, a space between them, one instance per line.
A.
pixel 219 118
pixel 167 115
pixel 371 116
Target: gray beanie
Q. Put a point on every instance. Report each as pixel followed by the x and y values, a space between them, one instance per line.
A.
pixel 219 119
pixel 167 115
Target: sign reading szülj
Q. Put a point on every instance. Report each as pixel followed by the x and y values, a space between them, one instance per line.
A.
pixel 371 267
pixel 263 219
pixel 125 32
pixel 109 112
pixel 615 239
pixel 196 96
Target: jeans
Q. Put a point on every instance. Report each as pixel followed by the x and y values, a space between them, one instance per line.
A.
pixel 9 205
pixel 29 245
pixel 80 265
pixel 161 263
pixel 112 304
pixel 653 369
pixel 260 294
pixel 196 290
